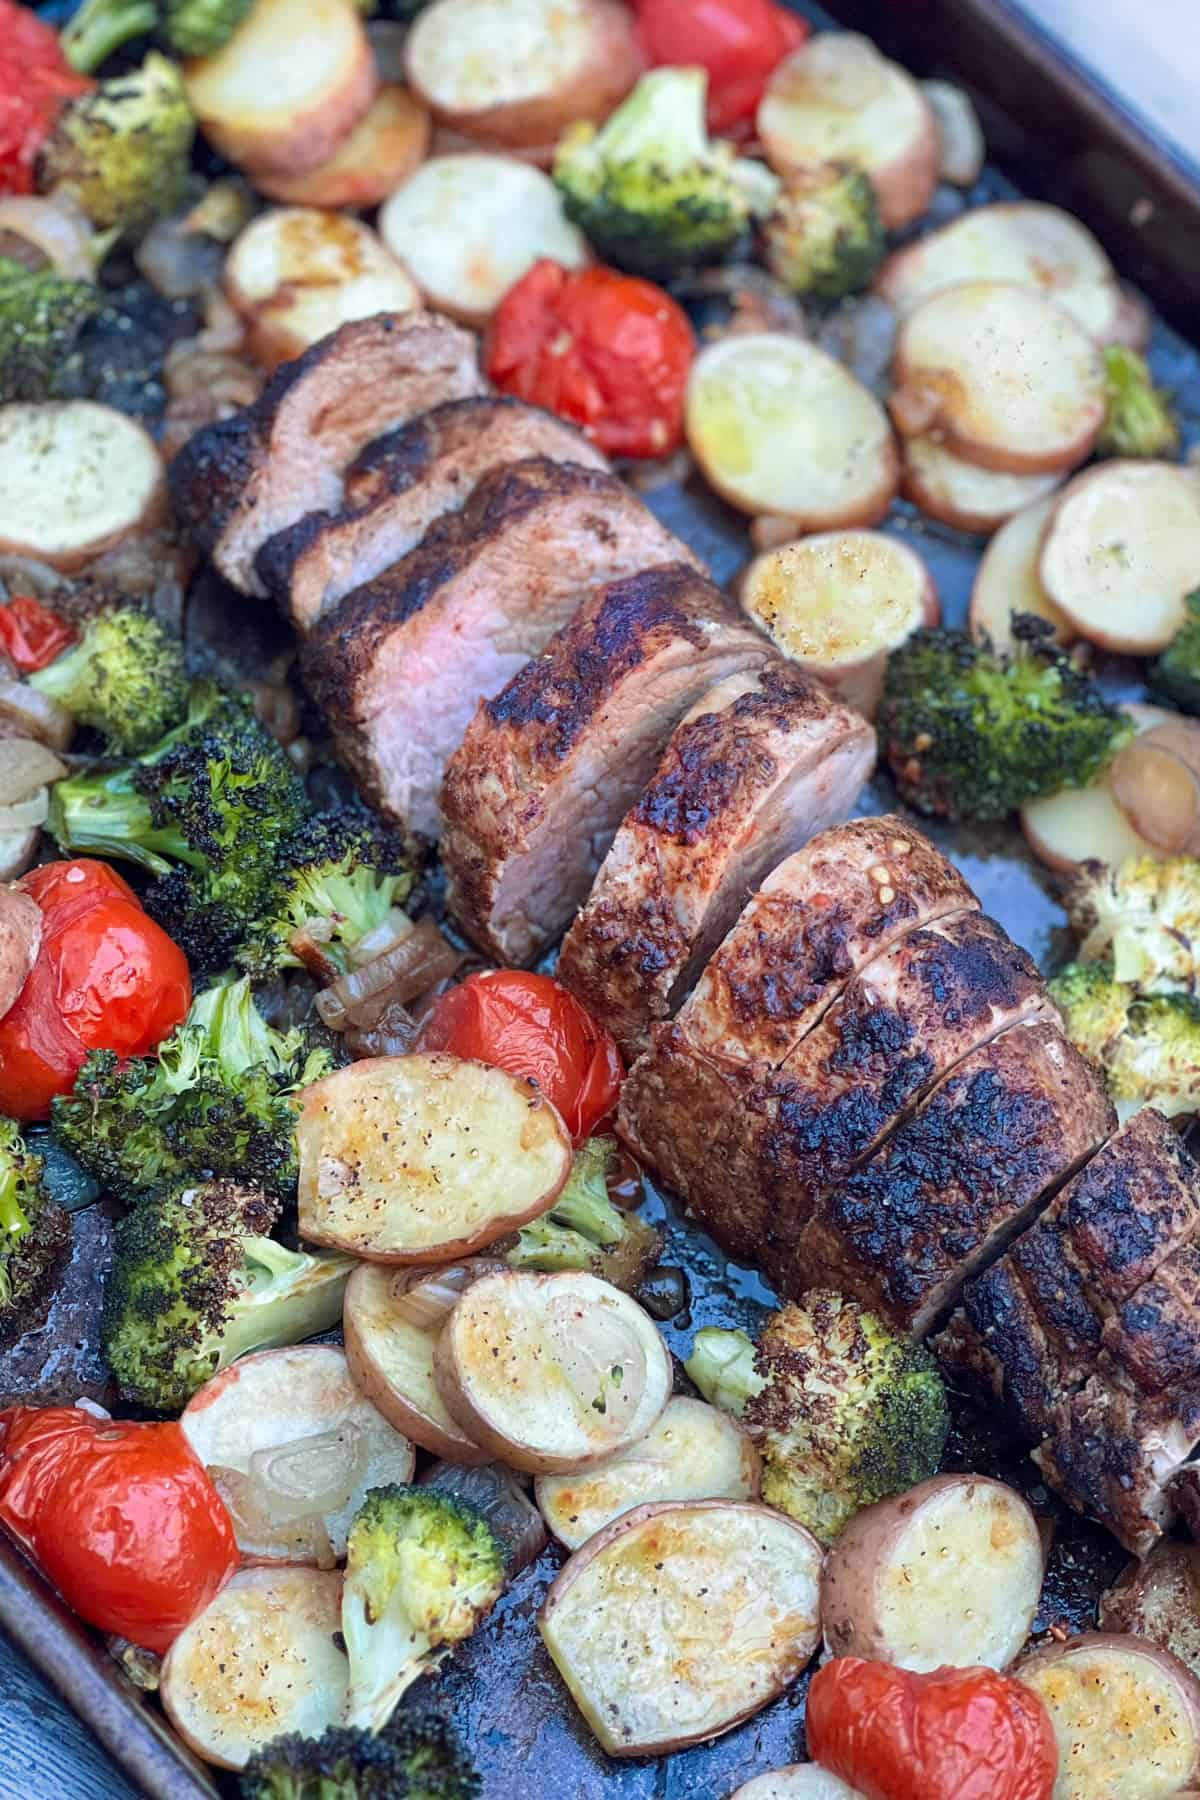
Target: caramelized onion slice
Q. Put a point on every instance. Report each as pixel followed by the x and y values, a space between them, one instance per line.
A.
pixel 412 963
pixel 426 1298
pixel 258 1535
pixel 311 1475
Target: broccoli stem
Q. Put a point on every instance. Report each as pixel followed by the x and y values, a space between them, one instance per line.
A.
pixel 100 27
pixel 105 817
pixel 14 1223
pixel 551 1248
pixel 722 1367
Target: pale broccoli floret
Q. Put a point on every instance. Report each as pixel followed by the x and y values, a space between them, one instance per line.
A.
pixel 845 1411
pixel 650 189
pixel 824 236
pixel 584 1230
pixel 1094 1006
pixel 1143 917
pixel 1147 1046
pixel 1139 420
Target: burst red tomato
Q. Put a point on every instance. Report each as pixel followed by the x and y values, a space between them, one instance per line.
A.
pixel 106 978
pixel 31 634
pixel 35 81
pixel 121 1517
pixel 609 352
pixel 739 42
pixel 531 1026
pixel 957 1734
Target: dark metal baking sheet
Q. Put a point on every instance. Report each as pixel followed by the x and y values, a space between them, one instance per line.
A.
pixel 501 1688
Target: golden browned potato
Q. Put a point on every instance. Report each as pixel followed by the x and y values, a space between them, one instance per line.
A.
pixel 382 151
pixel 75 480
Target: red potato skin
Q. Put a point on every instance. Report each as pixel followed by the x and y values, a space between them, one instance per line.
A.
pixel 20 939
pixel 1142 1647
pixel 981 524
pixel 73 562
pixel 631 1521
pixel 917 409
pixel 905 187
pixel 377 158
pixel 535 124
pixel 310 137
pixel 850 1568
pixel 769 530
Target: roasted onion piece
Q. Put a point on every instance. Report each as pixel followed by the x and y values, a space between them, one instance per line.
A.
pixel 412 964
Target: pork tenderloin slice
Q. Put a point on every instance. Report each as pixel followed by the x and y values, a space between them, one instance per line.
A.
pixel 760 764
pixel 968 1171
pixel 238 482
pixel 534 793
pixel 395 490
pixel 400 664
pixel 1030 1330
pixel 818 918
pixel 1155 1334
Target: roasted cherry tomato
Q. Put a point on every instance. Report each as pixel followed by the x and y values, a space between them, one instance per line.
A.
pixel 121 1517
pixel 35 80
pixel 739 42
pixel 609 352
pixel 957 1734
pixel 31 634
pixel 106 978
pixel 531 1026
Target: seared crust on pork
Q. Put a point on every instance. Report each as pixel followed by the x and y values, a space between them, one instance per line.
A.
pixel 238 482
pixel 759 765
pixel 548 766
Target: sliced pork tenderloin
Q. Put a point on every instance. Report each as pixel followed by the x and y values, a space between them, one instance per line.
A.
pixel 1154 1336
pixel 399 666
pixel 238 482
pixel 959 1180
pixel 534 793
pixel 760 764
pixel 396 489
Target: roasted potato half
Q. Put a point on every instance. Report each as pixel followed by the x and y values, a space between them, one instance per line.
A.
pixel 960 493
pixel 799 1781
pixel 678 1621
pixel 382 151
pixel 1007 581
pixel 1067 829
pixel 76 479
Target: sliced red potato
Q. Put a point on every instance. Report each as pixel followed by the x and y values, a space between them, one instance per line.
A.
pixel 552 1373
pixel 294 1422
pixel 961 494
pixel 391 1360
pixel 950 1572
pixel 296 273
pixel 467 227
pixel 1001 377
pixel 20 941
pixel 1007 581
pixel 1121 550
pixel 838 100
pixel 799 1781
pixel 262 1659
pixel 75 479
pixel 383 150
pixel 839 603
pixel 1038 246
pixel 962 143
pixel 678 1621
pixel 518 74
pixel 779 427
pixel 421 1159
pixel 1156 783
pixel 1126 1715
pixel 26 766
pixel 693 1452
pixel 1159 1598
pixel 292 82
pixel 1067 829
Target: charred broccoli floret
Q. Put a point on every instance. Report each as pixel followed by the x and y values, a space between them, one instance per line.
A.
pixel 344 876
pixel 845 1411
pixel 1148 1046
pixel 205 809
pixel 649 188
pixel 584 1230
pixel 422 1569
pixel 216 1099
pixel 41 313
pixel 824 236
pixel 1142 916
pixel 99 28
pixel 123 152
pixel 196 1282
pixel 33 1231
pixel 124 677
pixel 415 1757
pixel 1176 673
pixel 1139 420
pixel 973 734
pixel 198 27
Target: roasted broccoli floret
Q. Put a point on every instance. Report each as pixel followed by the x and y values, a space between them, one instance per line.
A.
pixel 123 152
pixel 422 1569
pixel 196 1281
pixel 1148 1046
pixel 198 27
pixel 1176 673
pixel 33 1232
pixel 98 28
pixel 584 1230
pixel 650 189
pixel 415 1757
pixel 824 236
pixel 41 313
pixel 845 1412
pixel 344 876
pixel 205 809
pixel 1142 916
pixel 973 734
pixel 216 1099
pixel 124 677
pixel 1139 420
